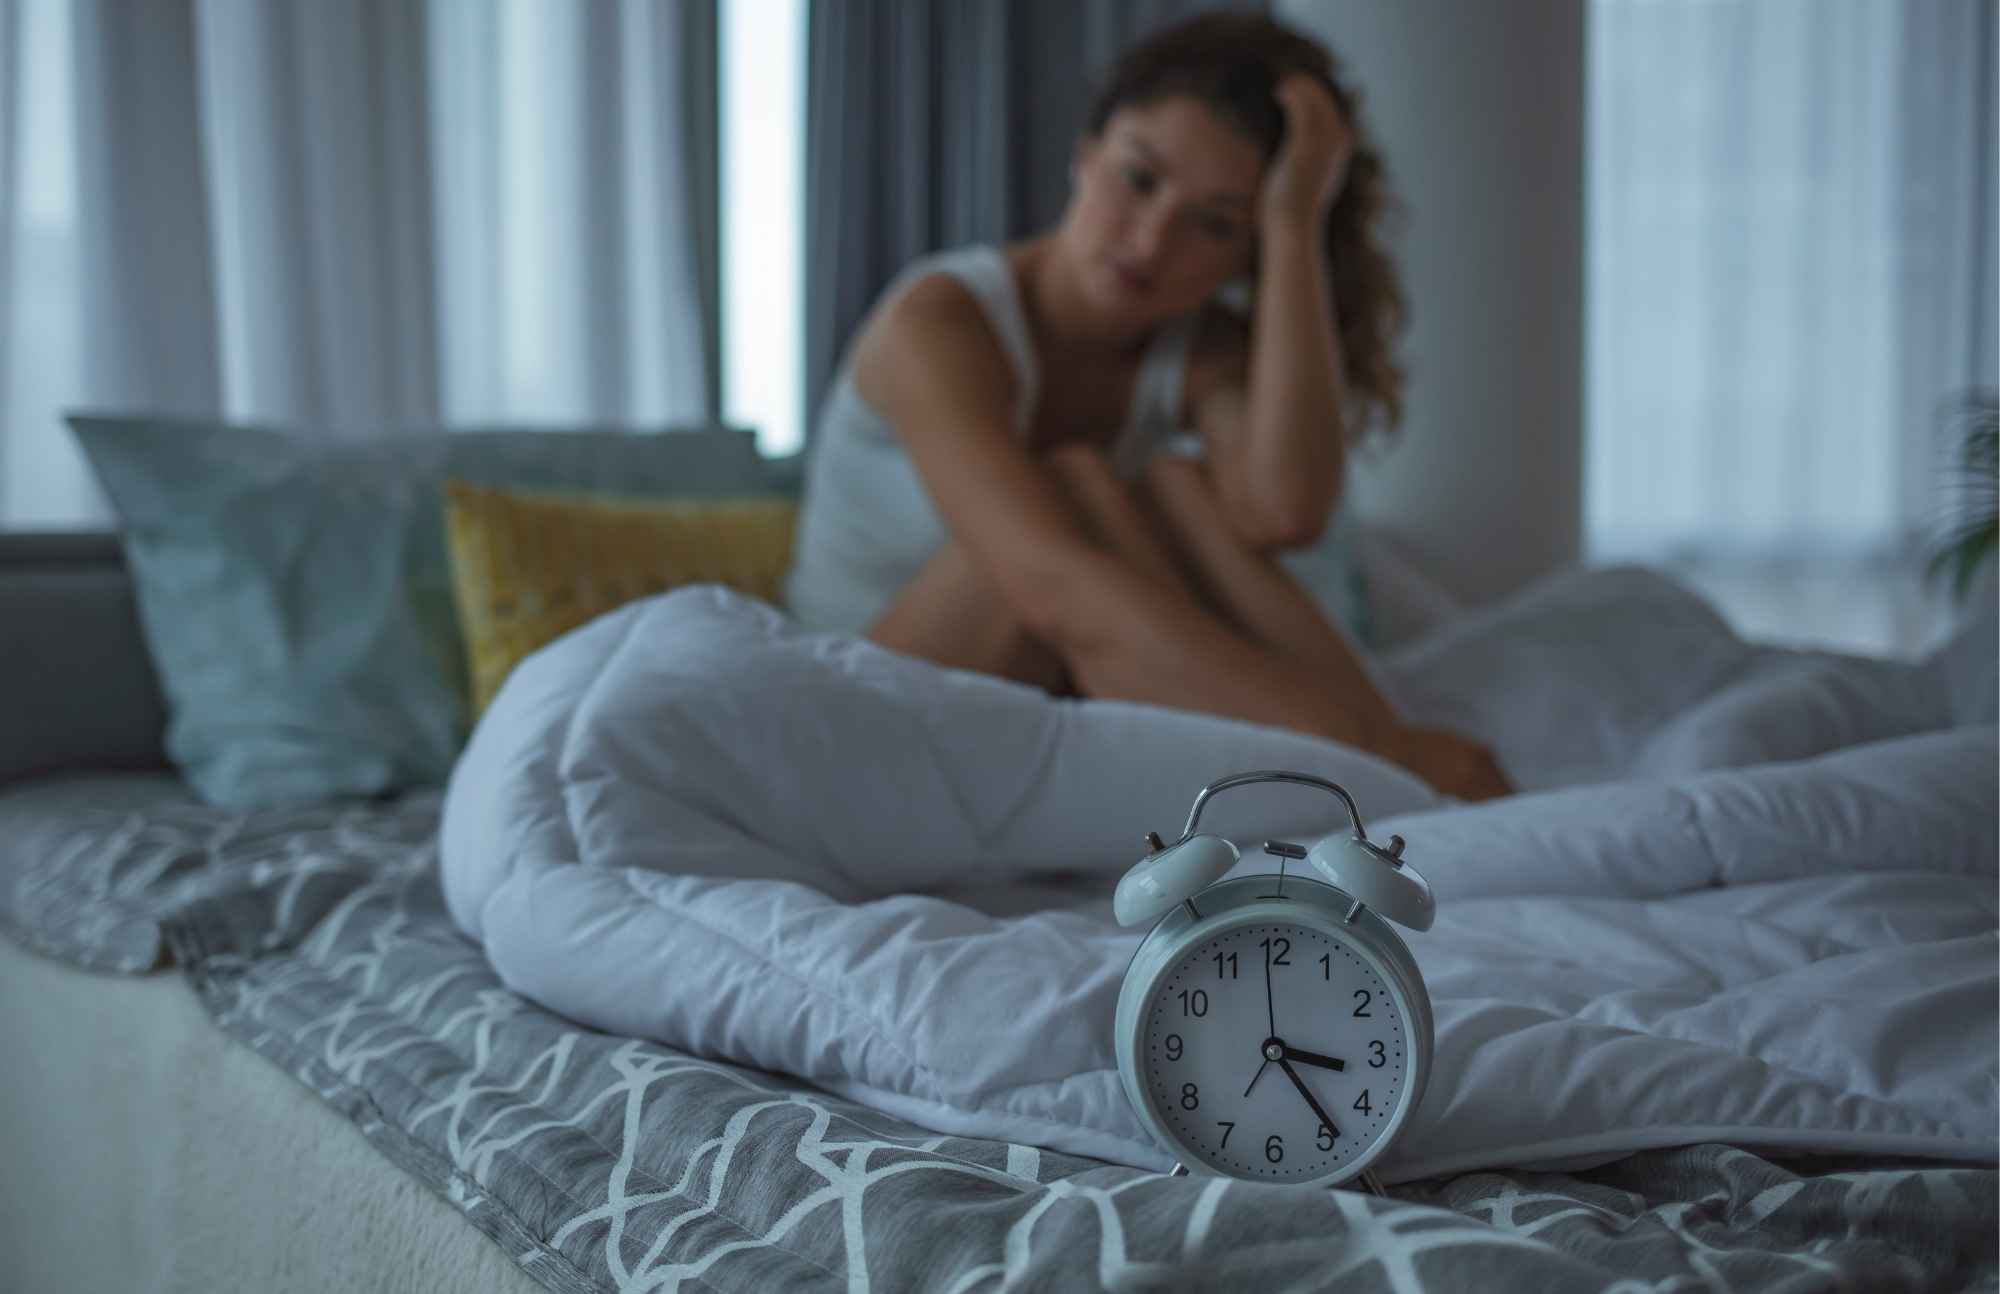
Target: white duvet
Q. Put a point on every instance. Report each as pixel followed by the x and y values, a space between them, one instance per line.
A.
pixel 1750 895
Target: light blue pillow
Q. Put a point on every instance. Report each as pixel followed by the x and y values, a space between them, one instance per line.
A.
pixel 295 593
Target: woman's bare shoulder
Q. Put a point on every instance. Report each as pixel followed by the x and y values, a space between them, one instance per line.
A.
pixel 928 332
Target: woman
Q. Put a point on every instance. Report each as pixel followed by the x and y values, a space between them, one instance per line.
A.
pixel 997 482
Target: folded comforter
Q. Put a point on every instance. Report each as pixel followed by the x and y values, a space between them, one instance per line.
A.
pixel 1750 895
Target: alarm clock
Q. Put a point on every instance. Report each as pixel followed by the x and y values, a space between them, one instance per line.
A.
pixel 1271 1027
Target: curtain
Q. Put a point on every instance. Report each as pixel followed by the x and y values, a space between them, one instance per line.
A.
pixel 576 175
pixel 104 235
pixel 1791 271
pixel 313 145
pixel 351 216
pixel 935 123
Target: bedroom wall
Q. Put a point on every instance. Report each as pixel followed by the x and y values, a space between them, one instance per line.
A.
pixel 1478 109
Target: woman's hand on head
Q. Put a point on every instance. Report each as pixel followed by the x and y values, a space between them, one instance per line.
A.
pixel 1311 165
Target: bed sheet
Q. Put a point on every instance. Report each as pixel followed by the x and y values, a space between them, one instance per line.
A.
pixel 318 940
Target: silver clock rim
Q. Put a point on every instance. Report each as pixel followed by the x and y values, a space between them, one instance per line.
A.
pixel 1245 913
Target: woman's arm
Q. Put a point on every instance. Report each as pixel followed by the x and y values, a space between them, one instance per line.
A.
pixel 1278 449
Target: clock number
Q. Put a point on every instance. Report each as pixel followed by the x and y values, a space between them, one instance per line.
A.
pixel 1174 1048
pixel 1361 1007
pixel 1191 1096
pixel 1360 1102
pixel 1380 1058
pixel 1227 1128
pixel 1231 959
pixel 1326 966
pixel 1196 1003
pixel 1283 949
pixel 1325 1137
pixel 1274 1148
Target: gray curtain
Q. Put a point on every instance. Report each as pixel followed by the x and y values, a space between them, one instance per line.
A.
pixel 934 123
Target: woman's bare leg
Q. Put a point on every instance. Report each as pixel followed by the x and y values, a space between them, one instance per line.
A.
pixel 1196 651
pixel 1118 517
pixel 1226 630
pixel 1250 589
pixel 1261 598
pixel 953 613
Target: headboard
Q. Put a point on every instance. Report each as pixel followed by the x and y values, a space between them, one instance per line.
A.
pixel 77 687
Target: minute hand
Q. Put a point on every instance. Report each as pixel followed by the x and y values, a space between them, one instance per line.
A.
pixel 1306 1092
pixel 1314 1058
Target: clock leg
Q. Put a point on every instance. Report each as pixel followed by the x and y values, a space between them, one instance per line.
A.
pixel 1180 1170
pixel 1371 1183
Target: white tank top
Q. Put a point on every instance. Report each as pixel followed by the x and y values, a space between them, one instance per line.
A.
pixel 867 525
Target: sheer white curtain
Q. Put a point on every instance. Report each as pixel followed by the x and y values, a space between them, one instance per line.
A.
pixel 355 215
pixel 574 149
pixel 104 245
pixel 1791 270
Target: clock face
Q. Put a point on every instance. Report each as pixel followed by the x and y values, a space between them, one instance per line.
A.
pixel 1240 1023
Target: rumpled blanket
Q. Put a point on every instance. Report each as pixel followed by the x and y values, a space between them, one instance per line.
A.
pixel 1748 897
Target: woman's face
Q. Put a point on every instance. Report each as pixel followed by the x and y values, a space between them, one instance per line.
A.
pixel 1164 209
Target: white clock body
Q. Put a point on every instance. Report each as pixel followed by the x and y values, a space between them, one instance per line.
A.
pixel 1214 1056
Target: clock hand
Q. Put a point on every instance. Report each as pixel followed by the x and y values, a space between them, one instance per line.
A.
pixel 1273 1049
pixel 1270 1010
pixel 1306 1092
pixel 1314 1058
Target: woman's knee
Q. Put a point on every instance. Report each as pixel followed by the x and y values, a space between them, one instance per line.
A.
pixel 1102 502
pixel 1084 470
pixel 1178 492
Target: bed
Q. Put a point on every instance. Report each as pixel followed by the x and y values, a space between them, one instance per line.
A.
pixel 252 1050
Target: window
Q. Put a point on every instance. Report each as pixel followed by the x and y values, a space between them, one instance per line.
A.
pixel 43 480
pixel 763 75
pixel 1785 215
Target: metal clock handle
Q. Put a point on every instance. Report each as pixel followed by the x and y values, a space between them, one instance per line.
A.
pixel 1271 775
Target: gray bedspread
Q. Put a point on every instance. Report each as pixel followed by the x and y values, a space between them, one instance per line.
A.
pixel 320 939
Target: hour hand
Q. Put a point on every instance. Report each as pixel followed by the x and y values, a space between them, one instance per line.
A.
pixel 1314 1058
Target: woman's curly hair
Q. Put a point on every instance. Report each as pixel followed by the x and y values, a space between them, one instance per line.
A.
pixel 1232 62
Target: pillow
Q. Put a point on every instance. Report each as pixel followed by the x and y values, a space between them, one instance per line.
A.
pixel 295 593
pixel 529 569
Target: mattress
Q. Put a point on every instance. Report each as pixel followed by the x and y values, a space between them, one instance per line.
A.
pixel 146 1151
pixel 330 1088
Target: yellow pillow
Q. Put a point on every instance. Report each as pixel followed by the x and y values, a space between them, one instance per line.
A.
pixel 527 568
